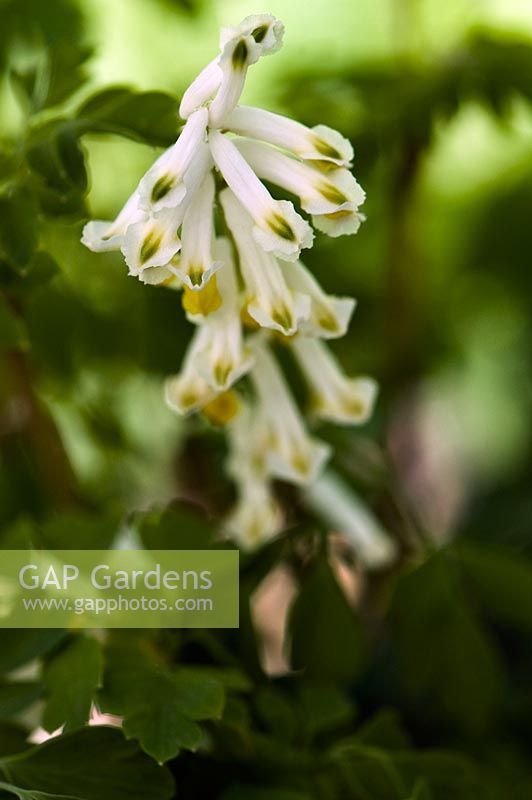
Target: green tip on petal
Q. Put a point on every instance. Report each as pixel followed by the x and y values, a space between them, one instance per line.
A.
pixel 331 193
pixel 283 318
pixel 161 188
pixel 280 226
pixel 325 149
pixel 259 33
pixel 150 245
pixel 328 322
pixel 240 55
pixel 222 371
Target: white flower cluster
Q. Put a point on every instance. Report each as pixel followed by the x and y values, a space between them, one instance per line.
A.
pixel 249 275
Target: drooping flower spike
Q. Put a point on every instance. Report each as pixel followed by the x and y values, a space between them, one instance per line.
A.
pixel 249 276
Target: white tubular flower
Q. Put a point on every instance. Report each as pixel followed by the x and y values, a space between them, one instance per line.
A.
pixel 195 264
pixel 256 517
pixel 248 444
pixel 237 55
pixel 202 88
pixel 339 506
pixel 163 186
pixel 329 315
pixel 278 228
pixel 101 236
pixel 270 302
pixel 292 454
pixel 335 396
pixel 223 358
pixel 262 35
pixel 339 223
pixel 321 144
pixel 265 29
pixel 319 193
pixel 153 241
pixel 188 391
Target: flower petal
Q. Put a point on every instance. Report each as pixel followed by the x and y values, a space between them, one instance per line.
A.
pixel 339 223
pixel 152 242
pixel 100 236
pixel 336 397
pixel 319 144
pixel 237 55
pixel 156 276
pixel 224 357
pixel 266 30
pixel 292 454
pixel 270 302
pixel 256 517
pixel 202 88
pixel 343 510
pixel 329 315
pixel 163 186
pixel 188 391
pixel 319 193
pixel 278 228
pixel 196 265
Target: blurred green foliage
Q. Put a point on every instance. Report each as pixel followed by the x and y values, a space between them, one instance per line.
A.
pixel 421 693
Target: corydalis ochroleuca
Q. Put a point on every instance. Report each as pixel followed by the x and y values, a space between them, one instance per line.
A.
pixel 243 288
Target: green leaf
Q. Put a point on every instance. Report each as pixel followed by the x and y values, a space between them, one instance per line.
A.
pixel 17 695
pixel 19 225
pixel 159 726
pixel 276 711
pixel 420 791
pixel 369 773
pixel 150 117
pixel 448 663
pixel 17 647
pixel 92 531
pixel 71 678
pixel 233 680
pixel 160 708
pixel 66 72
pixel 250 792
pixel 57 160
pixel 13 334
pixel 326 635
pixel 184 526
pixel 324 706
pixel 199 695
pixel 41 269
pixel 32 794
pixel 13 738
pixel 384 730
pixel 446 774
pixel 501 581
pixel 91 764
